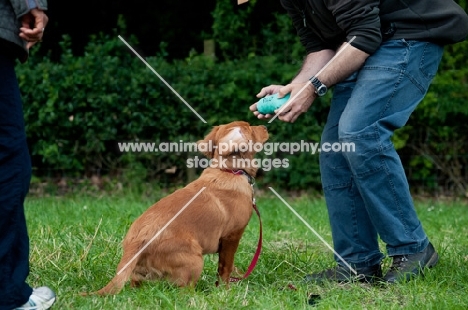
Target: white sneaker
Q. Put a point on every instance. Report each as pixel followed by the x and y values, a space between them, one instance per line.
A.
pixel 42 298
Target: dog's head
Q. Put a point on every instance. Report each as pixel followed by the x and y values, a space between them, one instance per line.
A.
pixel 234 144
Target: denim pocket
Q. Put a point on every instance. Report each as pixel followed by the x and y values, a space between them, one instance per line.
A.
pixel 430 59
pixel 391 56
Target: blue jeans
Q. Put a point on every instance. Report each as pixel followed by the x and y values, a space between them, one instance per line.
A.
pixel 15 174
pixel 366 191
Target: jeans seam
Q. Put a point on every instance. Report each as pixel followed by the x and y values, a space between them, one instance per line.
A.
pixel 337 185
pixel 416 83
pixel 354 223
pixel 397 83
pixel 381 68
pixel 427 75
pixel 421 63
pixel 402 73
pixel 413 79
pixel 395 198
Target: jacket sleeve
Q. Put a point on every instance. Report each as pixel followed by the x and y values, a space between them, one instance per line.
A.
pixel 22 7
pixel 309 40
pixel 358 18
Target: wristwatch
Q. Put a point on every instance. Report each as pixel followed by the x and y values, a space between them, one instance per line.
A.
pixel 320 88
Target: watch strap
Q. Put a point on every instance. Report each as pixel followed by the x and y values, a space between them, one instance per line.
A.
pixel 318 85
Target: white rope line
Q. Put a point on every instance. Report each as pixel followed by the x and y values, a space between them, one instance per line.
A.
pixel 162 79
pixel 160 231
pixel 316 233
pixel 309 82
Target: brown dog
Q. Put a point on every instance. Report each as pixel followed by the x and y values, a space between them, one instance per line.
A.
pixel 212 223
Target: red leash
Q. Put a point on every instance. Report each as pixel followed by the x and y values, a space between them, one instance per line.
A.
pixel 257 252
pixel 260 239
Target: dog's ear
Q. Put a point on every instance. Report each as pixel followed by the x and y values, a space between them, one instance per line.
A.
pixel 260 133
pixel 206 146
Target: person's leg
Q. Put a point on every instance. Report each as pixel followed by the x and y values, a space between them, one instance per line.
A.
pixel 15 173
pixel 366 191
pixel 388 88
pixel 354 236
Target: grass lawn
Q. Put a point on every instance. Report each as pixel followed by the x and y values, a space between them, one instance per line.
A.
pixel 75 247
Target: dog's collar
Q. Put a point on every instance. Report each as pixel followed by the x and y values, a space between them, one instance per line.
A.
pixel 250 178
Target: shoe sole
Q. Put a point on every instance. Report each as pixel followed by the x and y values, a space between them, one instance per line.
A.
pixel 48 304
pixel 43 306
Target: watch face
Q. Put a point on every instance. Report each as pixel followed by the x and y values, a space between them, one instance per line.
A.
pixel 322 90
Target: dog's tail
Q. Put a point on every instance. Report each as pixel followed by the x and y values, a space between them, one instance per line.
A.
pixel 124 270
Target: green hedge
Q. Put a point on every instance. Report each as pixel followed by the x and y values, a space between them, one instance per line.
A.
pixel 78 108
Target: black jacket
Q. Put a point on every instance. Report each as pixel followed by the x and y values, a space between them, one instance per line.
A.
pixel 326 24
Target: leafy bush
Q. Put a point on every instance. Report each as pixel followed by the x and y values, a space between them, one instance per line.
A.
pixel 76 110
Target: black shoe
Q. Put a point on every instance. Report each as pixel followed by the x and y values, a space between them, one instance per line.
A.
pixel 343 274
pixel 405 267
